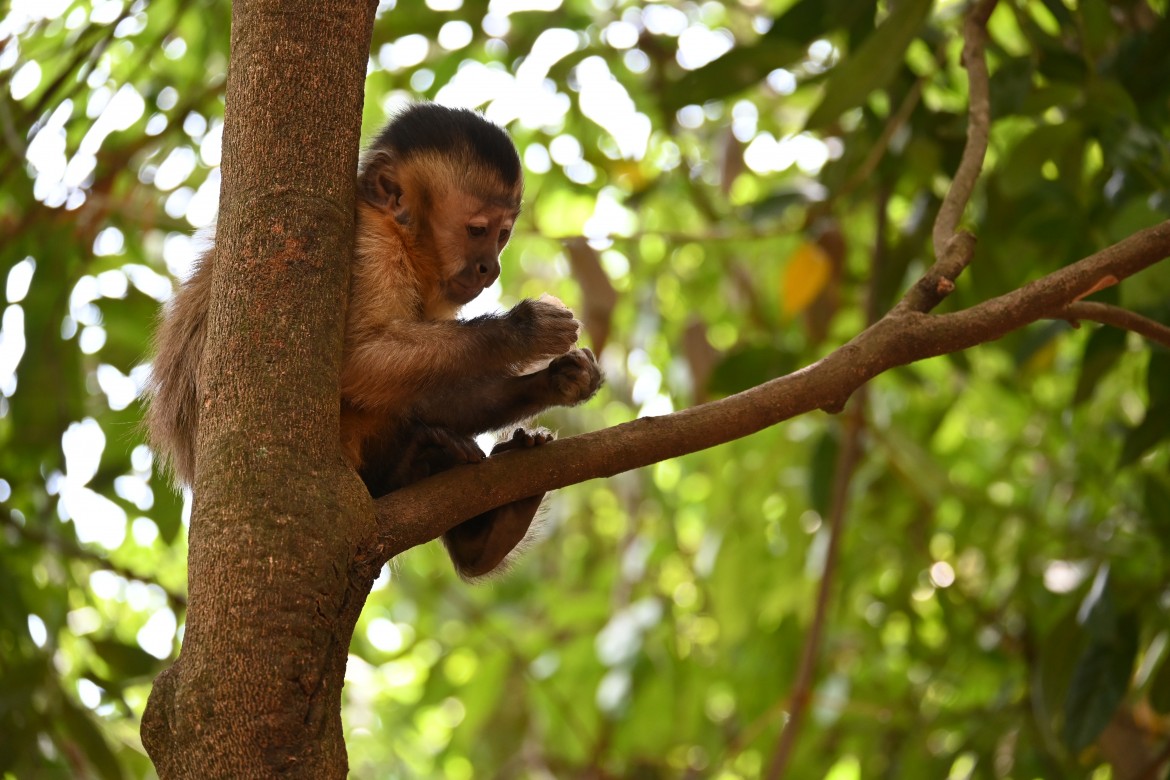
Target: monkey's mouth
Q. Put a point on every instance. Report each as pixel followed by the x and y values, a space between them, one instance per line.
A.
pixel 462 293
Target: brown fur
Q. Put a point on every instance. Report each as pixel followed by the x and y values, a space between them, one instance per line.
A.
pixel 416 384
pixel 173 414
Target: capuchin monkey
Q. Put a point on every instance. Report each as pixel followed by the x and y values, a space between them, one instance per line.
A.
pixel 438 195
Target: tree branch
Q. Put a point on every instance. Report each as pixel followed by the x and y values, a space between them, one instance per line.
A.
pixel 939 282
pixel 1116 316
pixel 978 127
pixel 421 512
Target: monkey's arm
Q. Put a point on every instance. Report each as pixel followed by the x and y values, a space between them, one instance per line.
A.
pixel 391 367
pixel 489 403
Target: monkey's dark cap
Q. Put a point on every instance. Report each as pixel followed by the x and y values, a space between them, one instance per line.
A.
pixel 425 127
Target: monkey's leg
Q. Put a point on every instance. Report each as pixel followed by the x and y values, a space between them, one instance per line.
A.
pixel 413 452
pixel 480 545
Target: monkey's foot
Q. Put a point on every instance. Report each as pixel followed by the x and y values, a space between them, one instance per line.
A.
pixel 523 439
pixel 456 450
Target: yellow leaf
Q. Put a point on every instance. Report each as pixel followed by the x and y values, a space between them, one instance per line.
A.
pixel 807 273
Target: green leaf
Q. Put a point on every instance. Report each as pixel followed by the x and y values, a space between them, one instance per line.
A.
pixel 1097 614
pixel 733 72
pixel 1056 662
pixel 1152 430
pixel 1035 350
pixel 167 511
pixel 748 367
pixel 873 65
pixel 1011 87
pixel 1102 351
pixel 1020 174
pixel 785 43
pixel 1059 12
pixel 1099 684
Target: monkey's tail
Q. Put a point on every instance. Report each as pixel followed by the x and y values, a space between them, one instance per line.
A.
pixel 172 416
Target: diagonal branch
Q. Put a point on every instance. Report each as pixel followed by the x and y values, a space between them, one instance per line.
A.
pixel 421 512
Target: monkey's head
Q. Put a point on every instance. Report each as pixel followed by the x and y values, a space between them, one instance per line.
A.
pixel 453 181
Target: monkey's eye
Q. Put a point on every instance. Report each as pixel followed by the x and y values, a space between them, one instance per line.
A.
pixel 504 234
pixel 477 231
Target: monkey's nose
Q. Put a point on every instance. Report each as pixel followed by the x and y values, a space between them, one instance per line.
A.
pixel 488 270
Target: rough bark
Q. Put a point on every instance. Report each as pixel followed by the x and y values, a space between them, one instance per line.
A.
pixel 273 595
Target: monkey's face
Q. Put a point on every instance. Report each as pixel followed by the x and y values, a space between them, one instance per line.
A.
pixel 469 234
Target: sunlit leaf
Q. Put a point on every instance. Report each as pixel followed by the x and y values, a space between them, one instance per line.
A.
pixel 808 271
pixel 785 42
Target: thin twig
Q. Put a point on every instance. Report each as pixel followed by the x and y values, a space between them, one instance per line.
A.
pixel 1107 314
pixel 847 460
pixel 882 144
pixel 77 552
pixel 978 127
pixel 846 466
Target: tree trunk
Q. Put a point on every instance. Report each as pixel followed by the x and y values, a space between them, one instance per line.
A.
pixel 275 587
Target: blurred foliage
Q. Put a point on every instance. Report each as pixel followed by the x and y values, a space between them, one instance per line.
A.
pixel 1001 602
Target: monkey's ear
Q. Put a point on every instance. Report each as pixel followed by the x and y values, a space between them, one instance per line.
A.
pixel 378 183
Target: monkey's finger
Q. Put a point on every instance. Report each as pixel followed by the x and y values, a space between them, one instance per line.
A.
pixel 553 311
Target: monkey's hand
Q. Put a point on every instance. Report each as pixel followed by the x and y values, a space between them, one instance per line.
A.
pixel 574 377
pixel 545 329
